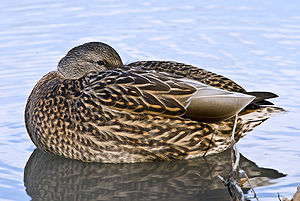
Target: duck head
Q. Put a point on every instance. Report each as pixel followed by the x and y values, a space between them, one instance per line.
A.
pixel 92 56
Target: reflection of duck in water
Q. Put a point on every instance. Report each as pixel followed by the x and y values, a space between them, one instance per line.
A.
pixel 49 177
pixel 95 109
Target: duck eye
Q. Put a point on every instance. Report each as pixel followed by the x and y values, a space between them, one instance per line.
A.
pixel 101 63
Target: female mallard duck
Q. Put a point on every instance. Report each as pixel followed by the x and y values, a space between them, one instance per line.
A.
pixel 94 108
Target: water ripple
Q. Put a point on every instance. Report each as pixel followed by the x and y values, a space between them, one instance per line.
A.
pixel 256 43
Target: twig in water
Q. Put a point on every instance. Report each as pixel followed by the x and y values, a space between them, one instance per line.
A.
pixel 233 142
pixel 233 186
pixel 278 195
pixel 252 189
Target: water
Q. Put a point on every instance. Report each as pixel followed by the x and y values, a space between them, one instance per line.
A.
pixel 256 43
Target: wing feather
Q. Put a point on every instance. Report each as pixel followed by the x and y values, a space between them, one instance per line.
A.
pixel 190 72
pixel 138 91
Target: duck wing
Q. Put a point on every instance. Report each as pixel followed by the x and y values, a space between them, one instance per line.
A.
pixel 204 76
pixel 152 92
pixel 138 92
pixel 191 72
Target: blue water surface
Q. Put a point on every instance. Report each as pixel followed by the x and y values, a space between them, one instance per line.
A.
pixel 254 42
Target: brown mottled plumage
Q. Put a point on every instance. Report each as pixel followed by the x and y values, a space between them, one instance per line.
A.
pixel 95 109
pixel 191 72
pixel 205 77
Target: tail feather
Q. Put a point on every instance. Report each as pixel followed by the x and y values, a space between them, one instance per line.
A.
pixel 253 117
pixel 264 102
pixel 261 96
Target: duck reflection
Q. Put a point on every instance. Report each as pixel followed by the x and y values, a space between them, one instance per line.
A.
pixel 49 177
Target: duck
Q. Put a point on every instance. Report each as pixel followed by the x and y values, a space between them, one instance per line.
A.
pixel 94 108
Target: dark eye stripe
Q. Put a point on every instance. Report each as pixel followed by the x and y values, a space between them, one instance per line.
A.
pixel 101 63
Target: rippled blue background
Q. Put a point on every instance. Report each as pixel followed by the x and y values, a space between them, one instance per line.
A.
pixel 255 42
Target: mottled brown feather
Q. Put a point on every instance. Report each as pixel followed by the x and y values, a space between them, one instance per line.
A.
pixel 113 113
pixel 191 72
pixel 81 119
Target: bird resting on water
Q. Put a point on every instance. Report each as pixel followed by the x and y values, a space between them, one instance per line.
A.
pixel 95 109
